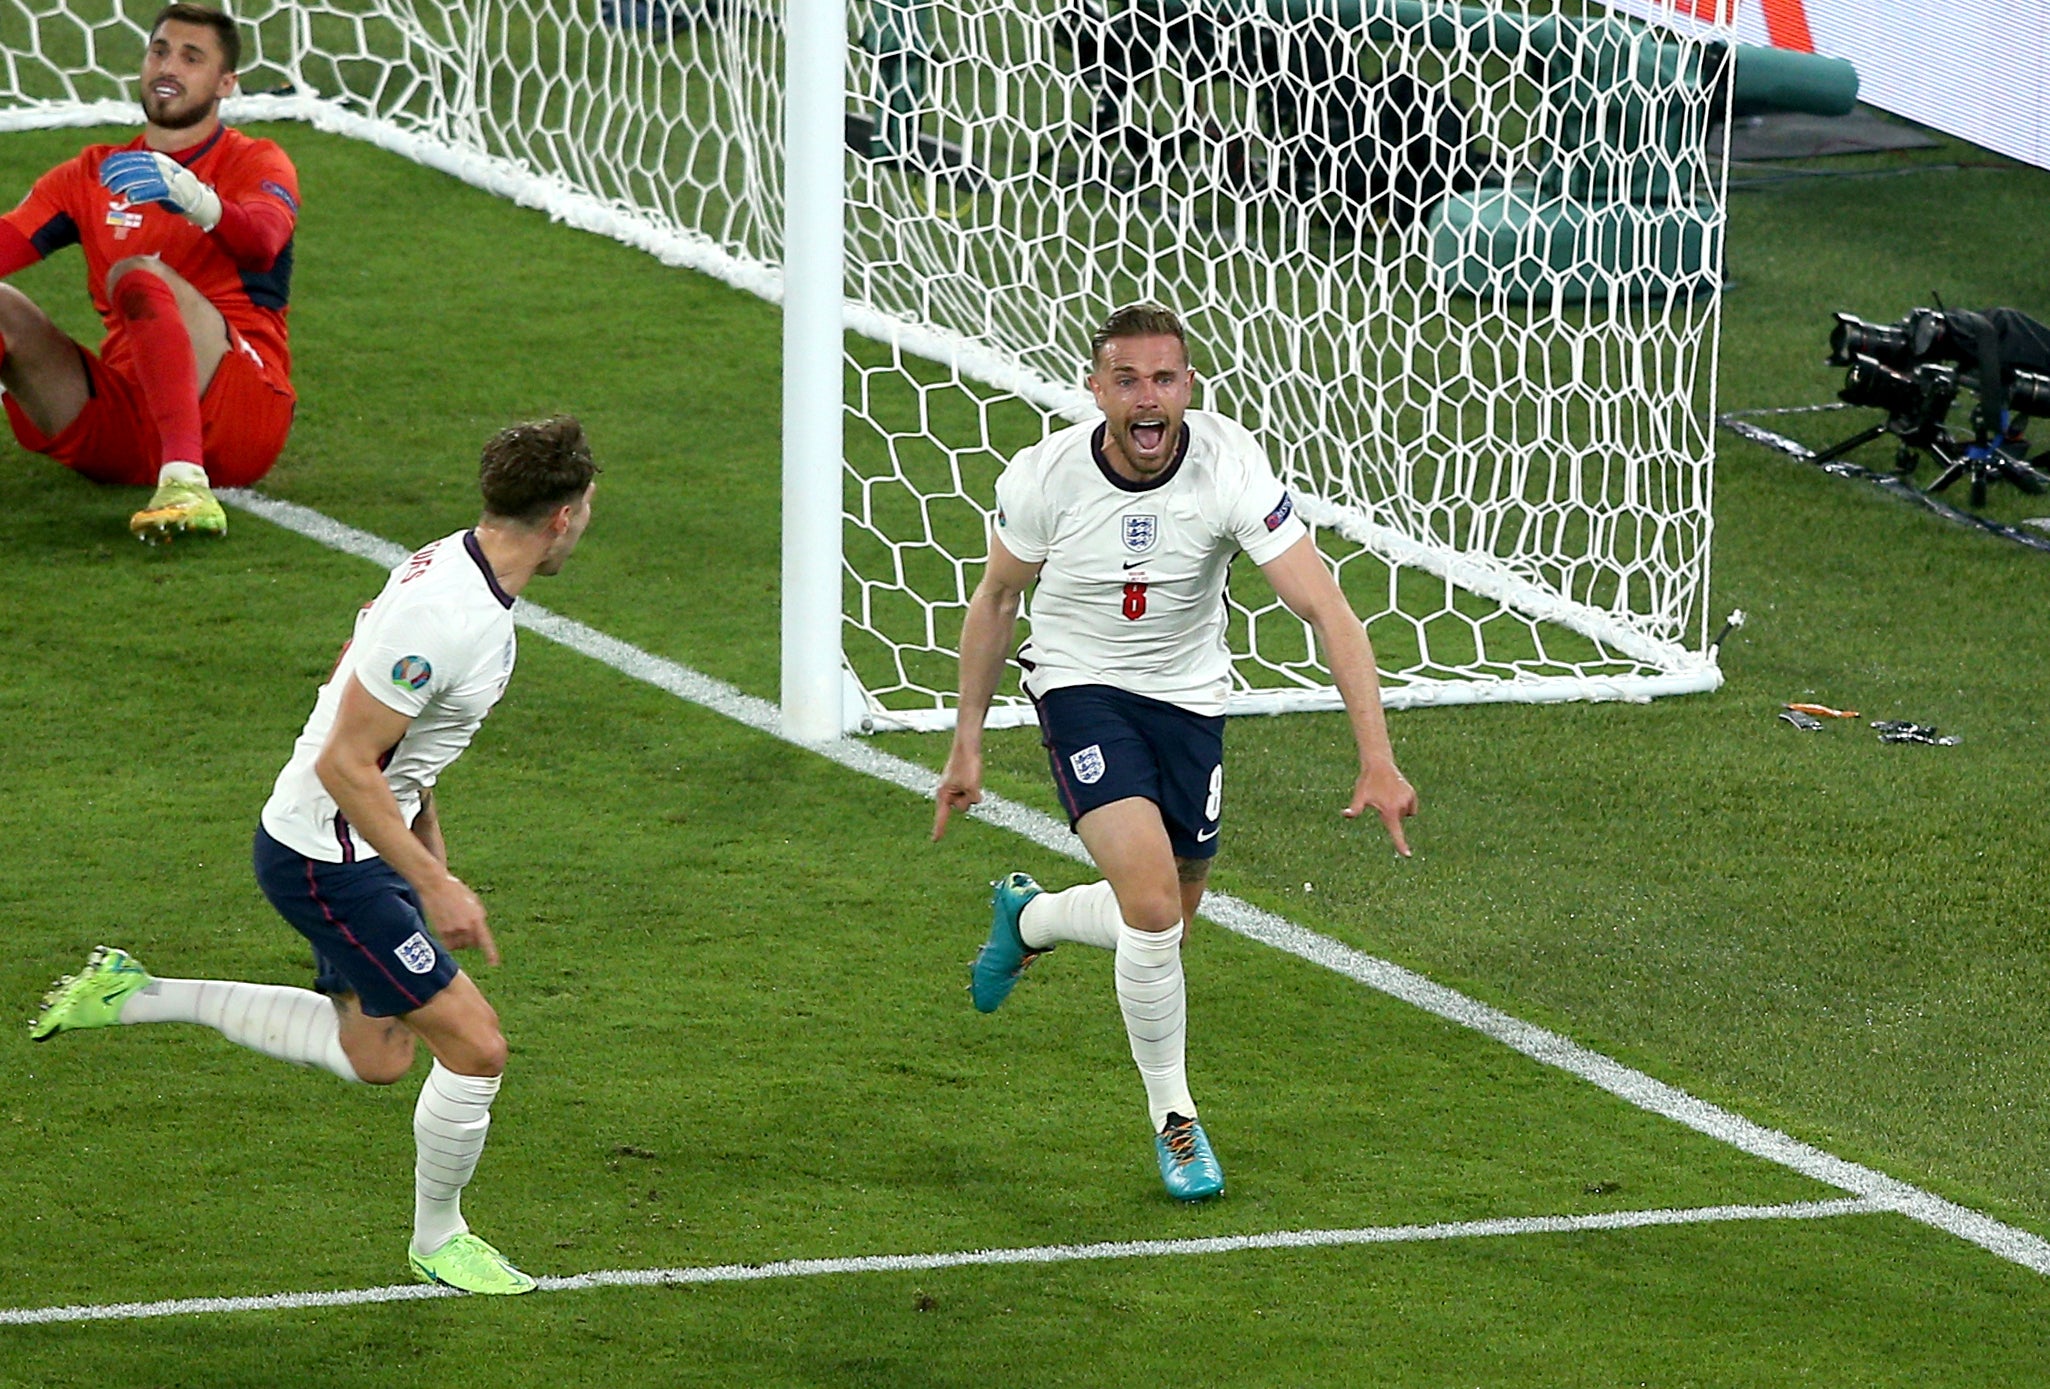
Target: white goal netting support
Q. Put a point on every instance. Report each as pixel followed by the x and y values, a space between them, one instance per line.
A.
pixel 1456 265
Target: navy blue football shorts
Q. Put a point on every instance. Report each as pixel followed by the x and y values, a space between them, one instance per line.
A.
pixel 1107 744
pixel 364 922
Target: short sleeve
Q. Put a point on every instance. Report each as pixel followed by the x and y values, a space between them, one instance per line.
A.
pixel 1262 517
pixel 1024 522
pixel 408 662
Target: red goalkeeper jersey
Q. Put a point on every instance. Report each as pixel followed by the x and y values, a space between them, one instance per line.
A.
pixel 243 266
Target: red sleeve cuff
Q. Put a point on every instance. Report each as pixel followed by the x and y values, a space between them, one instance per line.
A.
pixel 253 233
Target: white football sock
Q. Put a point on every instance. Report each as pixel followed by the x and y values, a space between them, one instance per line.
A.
pixel 449 1124
pixel 296 1025
pixel 176 471
pixel 1149 974
pixel 1086 915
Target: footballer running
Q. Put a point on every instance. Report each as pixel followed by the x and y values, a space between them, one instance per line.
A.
pixel 1128 527
pixel 350 850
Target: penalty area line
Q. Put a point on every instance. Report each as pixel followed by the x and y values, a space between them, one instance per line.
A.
pixel 973 1258
pixel 2010 1242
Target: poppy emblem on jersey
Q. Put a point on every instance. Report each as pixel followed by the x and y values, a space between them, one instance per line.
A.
pixel 416 953
pixel 1282 511
pixel 411 672
pixel 1140 533
pixel 1088 764
pixel 122 218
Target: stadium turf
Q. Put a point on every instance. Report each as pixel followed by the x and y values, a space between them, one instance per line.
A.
pixel 733 976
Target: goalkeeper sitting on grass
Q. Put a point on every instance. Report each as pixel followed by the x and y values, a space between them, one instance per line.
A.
pixel 187 233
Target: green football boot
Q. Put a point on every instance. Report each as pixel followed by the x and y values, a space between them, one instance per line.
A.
pixel 470 1265
pixel 179 508
pixel 90 998
pixel 1188 1168
pixel 1004 956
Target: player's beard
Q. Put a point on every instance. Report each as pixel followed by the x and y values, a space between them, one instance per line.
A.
pixel 170 115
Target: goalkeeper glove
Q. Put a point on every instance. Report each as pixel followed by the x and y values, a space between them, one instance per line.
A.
pixel 144 176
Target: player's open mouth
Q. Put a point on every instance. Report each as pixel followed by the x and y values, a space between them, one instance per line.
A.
pixel 1149 436
pixel 167 90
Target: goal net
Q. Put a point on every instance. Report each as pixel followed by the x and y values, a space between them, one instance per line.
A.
pixel 1455 266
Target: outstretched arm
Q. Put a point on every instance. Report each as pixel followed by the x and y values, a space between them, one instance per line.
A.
pixel 1304 582
pixel 985 638
pixel 349 766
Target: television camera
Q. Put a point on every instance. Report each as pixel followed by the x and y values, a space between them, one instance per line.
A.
pixel 1915 369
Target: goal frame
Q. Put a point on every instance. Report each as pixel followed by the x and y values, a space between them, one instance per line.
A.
pixel 820 696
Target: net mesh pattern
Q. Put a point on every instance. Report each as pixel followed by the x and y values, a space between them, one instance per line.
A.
pixel 1456 268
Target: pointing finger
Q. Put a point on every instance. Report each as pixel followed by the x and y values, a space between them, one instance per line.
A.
pixel 1392 818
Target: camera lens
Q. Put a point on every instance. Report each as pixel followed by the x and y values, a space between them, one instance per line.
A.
pixel 2029 394
pixel 1853 338
pixel 1879 386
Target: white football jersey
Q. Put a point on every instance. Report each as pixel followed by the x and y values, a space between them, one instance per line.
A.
pixel 438 646
pixel 1131 592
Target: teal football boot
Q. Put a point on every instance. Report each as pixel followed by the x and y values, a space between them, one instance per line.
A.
pixel 1187 1166
pixel 1004 956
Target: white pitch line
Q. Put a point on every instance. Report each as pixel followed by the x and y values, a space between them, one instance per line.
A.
pixel 2009 1242
pixel 921 1263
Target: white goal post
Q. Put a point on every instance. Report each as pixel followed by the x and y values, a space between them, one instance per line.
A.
pixel 1457 266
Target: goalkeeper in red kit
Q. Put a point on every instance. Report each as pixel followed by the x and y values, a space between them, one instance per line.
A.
pixel 187 234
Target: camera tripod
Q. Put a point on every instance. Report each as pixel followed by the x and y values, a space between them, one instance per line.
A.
pixel 1982 464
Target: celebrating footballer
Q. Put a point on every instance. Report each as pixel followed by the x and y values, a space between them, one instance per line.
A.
pixel 351 853
pixel 1128 527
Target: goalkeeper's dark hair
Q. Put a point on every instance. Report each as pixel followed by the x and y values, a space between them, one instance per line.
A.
pixel 222 23
pixel 530 469
pixel 1141 320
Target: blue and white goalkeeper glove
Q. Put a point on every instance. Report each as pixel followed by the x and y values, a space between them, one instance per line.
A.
pixel 144 176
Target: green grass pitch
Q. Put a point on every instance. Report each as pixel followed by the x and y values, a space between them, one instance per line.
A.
pixel 733 976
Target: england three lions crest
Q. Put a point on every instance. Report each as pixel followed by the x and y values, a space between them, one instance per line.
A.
pixel 1088 764
pixel 416 953
pixel 1140 533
